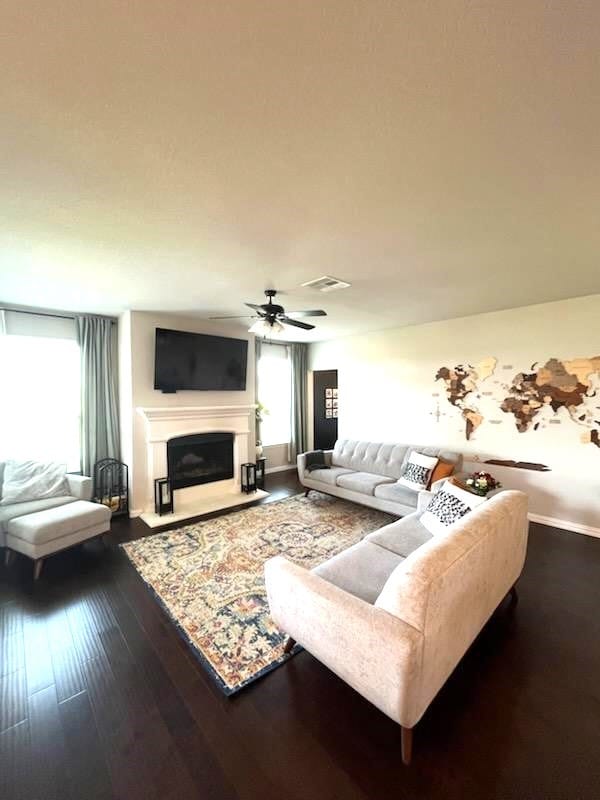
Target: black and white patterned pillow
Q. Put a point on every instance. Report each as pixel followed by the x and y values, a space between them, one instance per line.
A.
pixel 417 471
pixel 448 506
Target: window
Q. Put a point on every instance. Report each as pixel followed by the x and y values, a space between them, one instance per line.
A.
pixel 39 399
pixel 275 393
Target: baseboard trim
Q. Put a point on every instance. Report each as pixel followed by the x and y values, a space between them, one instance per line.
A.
pixel 574 527
pixel 135 512
pixel 284 468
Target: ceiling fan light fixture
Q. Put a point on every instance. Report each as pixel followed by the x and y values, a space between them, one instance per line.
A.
pixel 263 327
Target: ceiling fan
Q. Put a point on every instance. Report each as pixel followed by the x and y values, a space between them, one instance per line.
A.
pixel 271 317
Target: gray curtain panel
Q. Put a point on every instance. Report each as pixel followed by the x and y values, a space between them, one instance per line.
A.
pixel 97 337
pixel 299 359
pixel 257 352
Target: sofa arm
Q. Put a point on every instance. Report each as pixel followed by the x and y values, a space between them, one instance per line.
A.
pixel 80 486
pixel 375 652
pixel 301 461
pixel 423 500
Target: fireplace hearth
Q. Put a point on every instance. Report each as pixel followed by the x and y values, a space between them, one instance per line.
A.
pixel 200 458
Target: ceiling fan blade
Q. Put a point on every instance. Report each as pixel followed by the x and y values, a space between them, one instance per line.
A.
pixel 295 323
pixel 315 312
pixel 242 316
pixel 255 307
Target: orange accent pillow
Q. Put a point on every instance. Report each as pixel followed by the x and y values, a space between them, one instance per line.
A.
pixel 443 469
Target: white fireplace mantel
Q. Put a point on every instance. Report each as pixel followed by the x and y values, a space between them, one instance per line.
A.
pixel 168 422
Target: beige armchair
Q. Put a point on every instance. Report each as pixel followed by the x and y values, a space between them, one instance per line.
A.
pixel 399 651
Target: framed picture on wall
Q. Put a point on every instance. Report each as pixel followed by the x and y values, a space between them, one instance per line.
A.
pixel 328 403
pixel 329 392
pixel 334 413
pixel 334 402
pixel 328 413
pixel 335 392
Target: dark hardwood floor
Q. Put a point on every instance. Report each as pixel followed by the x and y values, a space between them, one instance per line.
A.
pixel 100 698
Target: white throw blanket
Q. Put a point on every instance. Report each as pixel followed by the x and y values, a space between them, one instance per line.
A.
pixel 32 480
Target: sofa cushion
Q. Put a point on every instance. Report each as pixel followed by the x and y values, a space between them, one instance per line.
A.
pixel 361 570
pixel 401 537
pixel 56 523
pixel 33 506
pixel 373 457
pixel 363 482
pixel 328 475
pixel 396 493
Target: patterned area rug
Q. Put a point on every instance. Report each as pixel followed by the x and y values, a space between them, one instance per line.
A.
pixel 209 576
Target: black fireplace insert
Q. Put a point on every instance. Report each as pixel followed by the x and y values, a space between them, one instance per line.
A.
pixel 200 458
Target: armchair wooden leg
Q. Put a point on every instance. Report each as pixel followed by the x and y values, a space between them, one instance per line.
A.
pixel 407 739
pixel 289 645
pixel 306 491
pixel 8 557
pixel 37 568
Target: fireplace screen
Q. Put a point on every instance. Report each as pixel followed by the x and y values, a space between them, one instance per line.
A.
pixel 200 458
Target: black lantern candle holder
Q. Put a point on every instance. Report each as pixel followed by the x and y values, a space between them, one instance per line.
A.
pixel 248 478
pixel 261 464
pixel 163 496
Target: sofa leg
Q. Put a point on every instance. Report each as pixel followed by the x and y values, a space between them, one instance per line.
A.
pixel 37 568
pixel 306 491
pixel 8 556
pixel 407 739
pixel 289 645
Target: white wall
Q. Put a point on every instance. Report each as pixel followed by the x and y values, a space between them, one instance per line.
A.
pixel 277 456
pixel 136 356
pixel 387 379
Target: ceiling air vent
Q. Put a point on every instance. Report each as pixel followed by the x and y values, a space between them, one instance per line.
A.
pixel 327 284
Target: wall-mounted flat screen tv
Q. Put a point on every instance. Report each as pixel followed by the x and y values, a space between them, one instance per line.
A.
pixel 197 361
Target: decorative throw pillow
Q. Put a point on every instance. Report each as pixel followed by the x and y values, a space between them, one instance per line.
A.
pixel 449 505
pixel 443 469
pixel 417 471
pixel 32 480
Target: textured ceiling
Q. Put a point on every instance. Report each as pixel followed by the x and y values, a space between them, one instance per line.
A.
pixel 443 157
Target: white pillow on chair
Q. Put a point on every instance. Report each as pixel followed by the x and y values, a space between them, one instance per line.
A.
pixel 33 480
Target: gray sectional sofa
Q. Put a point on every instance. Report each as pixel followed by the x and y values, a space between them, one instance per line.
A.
pixel 368 473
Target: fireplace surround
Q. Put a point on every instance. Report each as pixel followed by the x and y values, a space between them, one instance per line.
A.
pixel 169 423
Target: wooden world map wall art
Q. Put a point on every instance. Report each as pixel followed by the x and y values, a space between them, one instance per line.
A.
pixel 556 384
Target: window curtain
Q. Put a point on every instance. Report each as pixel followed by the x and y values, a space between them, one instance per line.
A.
pixel 257 354
pixel 299 358
pixel 97 337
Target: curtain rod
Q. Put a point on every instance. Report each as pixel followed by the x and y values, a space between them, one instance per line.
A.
pixel 50 314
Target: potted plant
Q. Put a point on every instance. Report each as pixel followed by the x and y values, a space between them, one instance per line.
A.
pixel 481 483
